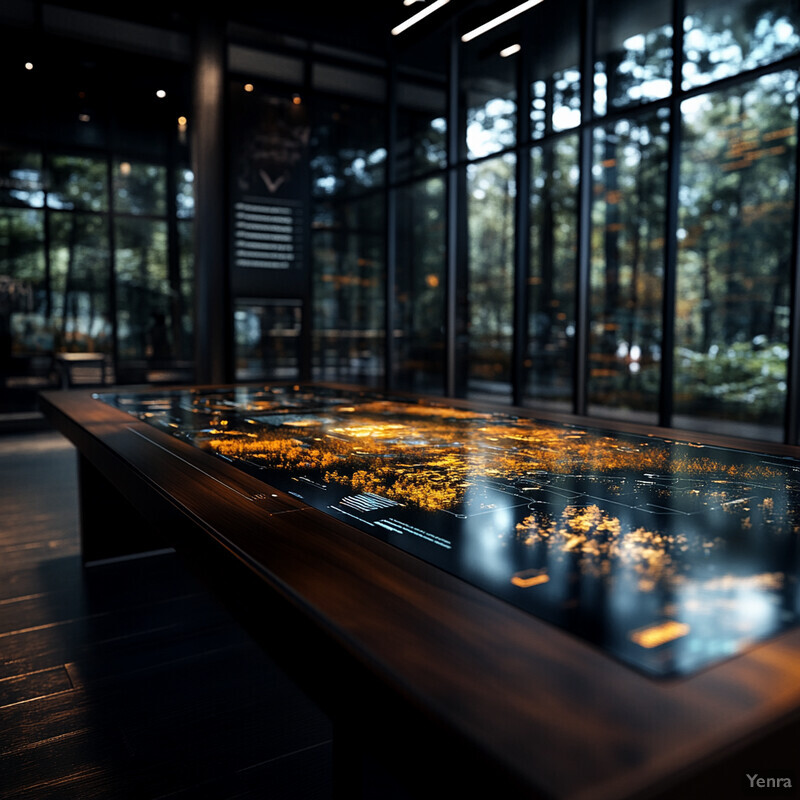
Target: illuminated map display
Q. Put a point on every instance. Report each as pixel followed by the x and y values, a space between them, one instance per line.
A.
pixel 667 554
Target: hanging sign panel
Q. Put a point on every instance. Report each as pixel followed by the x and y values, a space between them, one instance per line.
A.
pixel 269 136
pixel 268 234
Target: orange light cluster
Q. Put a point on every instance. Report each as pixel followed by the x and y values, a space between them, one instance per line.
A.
pixel 655 635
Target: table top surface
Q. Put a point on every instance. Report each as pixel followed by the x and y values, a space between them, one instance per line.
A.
pixel 668 554
pixel 542 584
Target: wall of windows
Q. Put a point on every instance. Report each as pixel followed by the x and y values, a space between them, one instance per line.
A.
pixel 589 208
pixel 96 209
pixel 348 175
pixel 618 201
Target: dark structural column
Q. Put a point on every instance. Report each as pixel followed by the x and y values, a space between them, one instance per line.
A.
pixel 213 317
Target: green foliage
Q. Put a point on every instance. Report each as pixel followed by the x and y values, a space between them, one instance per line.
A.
pixel 745 378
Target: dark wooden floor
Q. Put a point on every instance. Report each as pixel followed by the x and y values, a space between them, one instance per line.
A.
pixel 126 680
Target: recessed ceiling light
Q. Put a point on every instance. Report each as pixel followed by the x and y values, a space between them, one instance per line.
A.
pixel 161 94
pixel 510 50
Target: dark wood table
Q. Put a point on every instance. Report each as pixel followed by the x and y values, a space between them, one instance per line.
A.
pixel 446 686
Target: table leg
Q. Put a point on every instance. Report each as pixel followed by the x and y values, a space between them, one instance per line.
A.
pixel 111 526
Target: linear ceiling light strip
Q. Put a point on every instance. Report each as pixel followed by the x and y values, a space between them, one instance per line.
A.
pixel 419 16
pixel 493 23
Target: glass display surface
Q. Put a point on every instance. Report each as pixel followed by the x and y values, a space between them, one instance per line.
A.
pixel 667 554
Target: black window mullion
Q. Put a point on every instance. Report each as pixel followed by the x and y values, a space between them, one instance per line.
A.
pixel 173 250
pixel 112 268
pixel 390 222
pixel 522 230
pixel 582 299
pixel 454 370
pixel 791 423
pixel 665 406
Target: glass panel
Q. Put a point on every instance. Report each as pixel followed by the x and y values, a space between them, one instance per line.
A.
pixel 348 302
pixel 724 38
pixel 348 149
pixel 422 129
pixel 491 191
pixel 734 259
pixel 267 336
pixel 185 343
pixel 551 297
pixel 489 90
pixel 79 267
pixel 144 306
pixel 419 337
pixel 77 182
pixel 21 178
pixel 185 203
pixel 634 53
pixel 24 325
pixel 628 228
pixel 553 42
pixel 140 188
pixel 422 64
pixel 22 245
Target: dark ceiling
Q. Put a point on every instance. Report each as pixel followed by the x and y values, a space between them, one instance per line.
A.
pixel 356 25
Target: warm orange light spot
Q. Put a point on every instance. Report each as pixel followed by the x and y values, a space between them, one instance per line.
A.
pixel 780 134
pixel 655 635
pixel 525 579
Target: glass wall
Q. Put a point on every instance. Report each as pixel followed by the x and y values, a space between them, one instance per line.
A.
pixel 348 252
pixel 655 229
pixel 267 339
pixel 419 326
pixel 96 270
pixel 26 337
pixel 734 259
pixel 491 189
pixel 598 218
pixel 488 88
pixel 551 329
pixel 724 39
pixel 627 266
